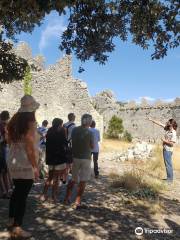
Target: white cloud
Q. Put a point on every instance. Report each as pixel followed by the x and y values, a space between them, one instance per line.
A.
pixel 54 29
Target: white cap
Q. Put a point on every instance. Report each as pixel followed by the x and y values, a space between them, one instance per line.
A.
pixel 28 104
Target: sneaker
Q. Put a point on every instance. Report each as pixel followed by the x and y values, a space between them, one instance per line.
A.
pixel 18 232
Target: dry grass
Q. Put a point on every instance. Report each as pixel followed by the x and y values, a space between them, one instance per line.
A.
pixel 109 145
pixel 138 191
pixel 176 158
pixel 137 184
pixel 153 166
pixel 144 177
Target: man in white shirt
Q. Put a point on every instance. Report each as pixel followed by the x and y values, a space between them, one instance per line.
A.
pixel 95 150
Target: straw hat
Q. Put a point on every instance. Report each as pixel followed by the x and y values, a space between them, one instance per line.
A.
pixel 28 104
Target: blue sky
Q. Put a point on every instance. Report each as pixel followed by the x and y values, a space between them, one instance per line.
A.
pixel 130 73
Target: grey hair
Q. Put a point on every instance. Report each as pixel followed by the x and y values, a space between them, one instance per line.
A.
pixel 86 120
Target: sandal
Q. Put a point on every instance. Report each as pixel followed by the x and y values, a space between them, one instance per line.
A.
pixel 18 232
pixel 80 206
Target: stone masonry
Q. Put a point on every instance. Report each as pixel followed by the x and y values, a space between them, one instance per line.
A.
pixel 54 88
pixel 59 93
pixel 135 117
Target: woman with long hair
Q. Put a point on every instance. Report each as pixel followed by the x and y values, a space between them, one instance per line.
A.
pixel 22 161
pixel 56 145
pixel 168 141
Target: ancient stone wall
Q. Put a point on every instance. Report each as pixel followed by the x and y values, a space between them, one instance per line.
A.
pixel 55 89
pixel 59 93
pixel 135 118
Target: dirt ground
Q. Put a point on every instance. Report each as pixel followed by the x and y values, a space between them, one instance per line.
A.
pixel 110 215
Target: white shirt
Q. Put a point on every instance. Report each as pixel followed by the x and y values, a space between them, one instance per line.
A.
pixel 69 129
pixel 42 131
pixel 170 136
pixel 96 139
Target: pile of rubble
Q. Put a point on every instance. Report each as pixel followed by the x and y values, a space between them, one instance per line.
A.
pixel 140 151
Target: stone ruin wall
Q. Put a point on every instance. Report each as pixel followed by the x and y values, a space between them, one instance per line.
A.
pixel 59 93
pixel 134 119
pixel 54 88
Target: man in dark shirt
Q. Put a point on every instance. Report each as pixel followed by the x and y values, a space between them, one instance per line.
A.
pixel 82 144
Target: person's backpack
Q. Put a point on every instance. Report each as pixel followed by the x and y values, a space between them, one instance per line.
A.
pixel 69 145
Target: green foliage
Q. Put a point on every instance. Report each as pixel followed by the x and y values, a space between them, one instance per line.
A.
pixel 11 66
pixel 127 136
pixel 27 82
pixel 92 27
pixel 115 127
pixel 101 21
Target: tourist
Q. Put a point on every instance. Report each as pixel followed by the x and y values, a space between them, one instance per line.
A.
pixel 168 141
pixel 22 161
pixel 43 131
pixel 42 148
pixel 82 145
pixel 5 183
pixel 95 150
pixel 69 126
pixel 56 145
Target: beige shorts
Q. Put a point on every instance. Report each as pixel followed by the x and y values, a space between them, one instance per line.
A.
pixel 81 170
pixel 57 167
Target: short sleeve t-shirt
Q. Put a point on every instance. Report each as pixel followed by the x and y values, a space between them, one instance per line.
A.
pixel 170 136
pixel 96 137
pixel 69 126
pixel 82 139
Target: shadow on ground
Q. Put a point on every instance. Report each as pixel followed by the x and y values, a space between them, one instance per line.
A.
pixel 107 217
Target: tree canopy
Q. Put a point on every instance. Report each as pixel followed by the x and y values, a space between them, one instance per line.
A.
pixel 115 127
pixel 92 27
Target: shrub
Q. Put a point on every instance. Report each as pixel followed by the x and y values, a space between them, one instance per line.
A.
pixel 137 184
pixel 127 136
pixel 115 127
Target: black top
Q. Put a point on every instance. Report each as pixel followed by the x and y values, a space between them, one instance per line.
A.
pixel 56 145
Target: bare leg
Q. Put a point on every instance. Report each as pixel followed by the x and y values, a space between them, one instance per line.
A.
pixel 69 191
pixel 70 168
pixel 48 183
pixel 55 185
pixel 64 174
pixel 81 188
pixel 2 184
pixel 6 182
pixel 10 180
